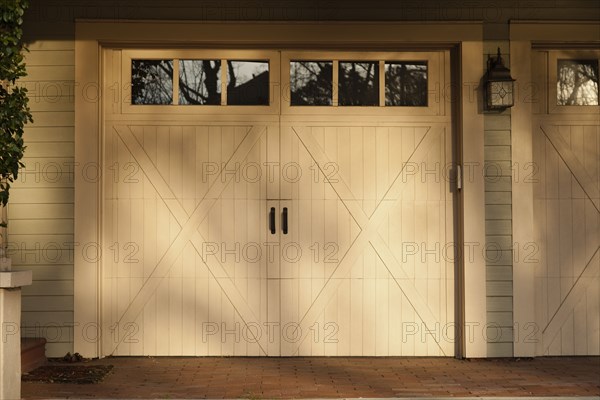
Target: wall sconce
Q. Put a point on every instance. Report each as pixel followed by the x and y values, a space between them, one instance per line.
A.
pixel 499 84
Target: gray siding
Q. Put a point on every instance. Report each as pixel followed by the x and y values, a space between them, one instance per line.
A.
pixel 41 207
pixel 498 222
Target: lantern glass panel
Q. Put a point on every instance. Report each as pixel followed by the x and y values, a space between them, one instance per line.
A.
pixel 500 94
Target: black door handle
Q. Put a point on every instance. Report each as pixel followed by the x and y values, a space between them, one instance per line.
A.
pixel 284 221
pixel 272 220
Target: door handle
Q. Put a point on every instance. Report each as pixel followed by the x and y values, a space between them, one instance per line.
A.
pixel 284 221
pixel 272 220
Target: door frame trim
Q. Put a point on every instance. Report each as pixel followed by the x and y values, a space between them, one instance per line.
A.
pixel 464 38
pixel 524 37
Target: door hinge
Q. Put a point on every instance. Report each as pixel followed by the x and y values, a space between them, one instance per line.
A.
pixel 459 177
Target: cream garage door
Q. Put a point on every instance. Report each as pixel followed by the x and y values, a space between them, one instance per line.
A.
pixel 277 203
pixel 566 132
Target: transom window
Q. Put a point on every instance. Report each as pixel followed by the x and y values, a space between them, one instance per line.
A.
pixel 359 83
pixel 151 81
pixel 311 83
pixel 341 83
pixel 199 82
pixel 248 83
pixel 577 83
pixel 406 83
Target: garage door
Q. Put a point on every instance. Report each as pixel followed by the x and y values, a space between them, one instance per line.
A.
pixel 566 131
pixel 277 203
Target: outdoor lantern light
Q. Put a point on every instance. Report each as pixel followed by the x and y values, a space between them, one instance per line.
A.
pixel 499 85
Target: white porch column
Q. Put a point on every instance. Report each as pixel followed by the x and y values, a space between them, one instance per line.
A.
pixel 10 322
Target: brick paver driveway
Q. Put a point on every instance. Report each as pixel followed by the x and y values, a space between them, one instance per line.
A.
pixel 170 377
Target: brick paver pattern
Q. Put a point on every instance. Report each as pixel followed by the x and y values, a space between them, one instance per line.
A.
pixel 241 377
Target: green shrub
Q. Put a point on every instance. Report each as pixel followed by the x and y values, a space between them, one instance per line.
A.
pixel 14 109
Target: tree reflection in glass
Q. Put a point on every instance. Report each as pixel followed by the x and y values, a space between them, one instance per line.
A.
pixel 200 82
pixel 358 83
pixel 247 82
pixel 151 81
pixel 311 83
pixel 406 83
pixel 577 83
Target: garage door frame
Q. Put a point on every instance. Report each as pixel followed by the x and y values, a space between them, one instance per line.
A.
pixel 464 38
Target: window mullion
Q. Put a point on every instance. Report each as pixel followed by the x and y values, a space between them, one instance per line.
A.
pixel 223 82
pixel 335 83
pixel 176 81
pixel 381 83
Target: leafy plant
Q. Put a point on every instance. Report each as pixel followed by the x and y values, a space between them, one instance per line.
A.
pixel 14 109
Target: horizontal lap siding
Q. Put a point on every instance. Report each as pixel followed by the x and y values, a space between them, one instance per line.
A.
pixel 498 223
pixel 41 208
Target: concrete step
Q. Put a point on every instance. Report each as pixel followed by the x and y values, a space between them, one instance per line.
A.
pixel 33 353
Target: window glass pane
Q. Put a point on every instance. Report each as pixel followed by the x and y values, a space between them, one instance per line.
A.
pixel 358 83
pixel 311 83
pixel 200 82
pixel 577 83
pixel 406 83
pixel 151 81
pixel 247 82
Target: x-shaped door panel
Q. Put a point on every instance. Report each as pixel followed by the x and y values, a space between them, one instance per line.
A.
pixel 568 217
pixel 211 244
pixel 338 235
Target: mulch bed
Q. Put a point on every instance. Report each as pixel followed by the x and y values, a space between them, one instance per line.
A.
pixel 62 373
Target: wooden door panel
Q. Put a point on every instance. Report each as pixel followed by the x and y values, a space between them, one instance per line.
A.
pixel 568 221
pixel 187 208
pixel 346 218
